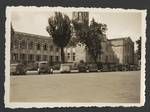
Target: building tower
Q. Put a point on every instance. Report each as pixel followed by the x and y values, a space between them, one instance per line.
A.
pixel 81 17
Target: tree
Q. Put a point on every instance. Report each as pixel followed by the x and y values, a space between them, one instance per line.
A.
pixel 91 36
pixel 138 42
pixel 60 30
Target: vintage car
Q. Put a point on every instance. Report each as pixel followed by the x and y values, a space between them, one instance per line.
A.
pixel 18 69
pixel 43 67
pixel 82 66
pixel 65 68
pixel 92 68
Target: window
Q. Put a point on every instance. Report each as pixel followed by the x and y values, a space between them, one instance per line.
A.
pixel 16 43
pixel 38 46
pixel 38 57
pixel 50 58
pixel 31 57
pixel 44 57
pixel 57 58
pixel 57 49
pixel 23 44
pixel 68 56
pixel 80 15
pixel 23 56
pixel 15 57
pixel 74 56
pixel 51 48
pixel 45 47
pixel 30 45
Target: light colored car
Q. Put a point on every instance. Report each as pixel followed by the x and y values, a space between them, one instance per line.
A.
pixel 43 67
pixel 17 69
pixel 65 68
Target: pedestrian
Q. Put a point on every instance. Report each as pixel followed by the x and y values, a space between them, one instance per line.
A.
pixel 51 70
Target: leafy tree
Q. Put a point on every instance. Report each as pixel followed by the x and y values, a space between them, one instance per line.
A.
pixel 91 36
pixel 138 42
pixel 60 30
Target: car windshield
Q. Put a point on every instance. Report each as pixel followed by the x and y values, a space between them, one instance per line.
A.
pixel 43 63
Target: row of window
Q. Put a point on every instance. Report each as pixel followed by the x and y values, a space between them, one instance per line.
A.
pixel 24 45
pixel 69 56
pixel 31 57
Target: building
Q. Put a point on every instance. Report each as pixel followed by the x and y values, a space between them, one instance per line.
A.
pixel 124 49
pixel 30 48
pixel 81 17
pixel 81 53
pixel 78 52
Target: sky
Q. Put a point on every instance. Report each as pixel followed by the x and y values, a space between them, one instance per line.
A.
pixel 120 24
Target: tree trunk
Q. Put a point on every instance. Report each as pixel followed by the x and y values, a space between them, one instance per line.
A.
pixel 62 55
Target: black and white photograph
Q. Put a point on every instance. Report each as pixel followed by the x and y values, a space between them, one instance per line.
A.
pixel 63 57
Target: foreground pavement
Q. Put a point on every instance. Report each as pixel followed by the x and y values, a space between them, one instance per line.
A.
pixel 103 87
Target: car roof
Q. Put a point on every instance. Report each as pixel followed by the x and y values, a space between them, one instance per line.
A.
pixel 15 64
pixel 42 62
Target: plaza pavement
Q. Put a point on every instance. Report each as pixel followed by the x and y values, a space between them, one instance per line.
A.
pixel 102 87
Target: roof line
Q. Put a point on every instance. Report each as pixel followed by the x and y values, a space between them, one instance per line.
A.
pixel 31 34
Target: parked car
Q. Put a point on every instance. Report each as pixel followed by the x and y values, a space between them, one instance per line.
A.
pixel 65 68
pixel 82 67
pixel 43 67
pixel 56 66
pixel 18 69
pixel 93 68
pixel 104 68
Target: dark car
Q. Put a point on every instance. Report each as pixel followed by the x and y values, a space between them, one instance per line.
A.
pixel 82 67
pixel 18 69
pixel 43 67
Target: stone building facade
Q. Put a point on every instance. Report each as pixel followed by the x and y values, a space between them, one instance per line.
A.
pixel 30 48
pixel 107 55
pixel 124 49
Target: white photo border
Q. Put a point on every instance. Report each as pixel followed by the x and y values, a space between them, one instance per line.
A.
pixel 51 105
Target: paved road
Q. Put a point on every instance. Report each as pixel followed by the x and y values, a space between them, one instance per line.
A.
pixel 106 87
